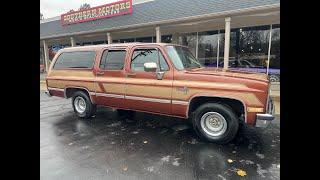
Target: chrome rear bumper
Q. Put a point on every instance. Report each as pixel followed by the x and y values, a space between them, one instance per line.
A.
pixel 263 120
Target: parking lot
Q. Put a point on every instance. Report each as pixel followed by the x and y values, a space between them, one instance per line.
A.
pixel 147 146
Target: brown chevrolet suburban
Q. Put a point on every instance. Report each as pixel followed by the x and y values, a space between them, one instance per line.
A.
pixel 162 79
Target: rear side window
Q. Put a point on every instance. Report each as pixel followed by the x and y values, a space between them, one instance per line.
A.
pixel 113 59
pixel 80 59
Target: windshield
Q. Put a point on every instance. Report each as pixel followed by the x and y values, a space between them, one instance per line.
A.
pixel 182 58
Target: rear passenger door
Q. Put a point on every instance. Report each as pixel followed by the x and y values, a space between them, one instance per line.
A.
pixel 110 78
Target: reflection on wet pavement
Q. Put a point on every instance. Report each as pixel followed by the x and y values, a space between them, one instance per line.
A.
pixel 147 146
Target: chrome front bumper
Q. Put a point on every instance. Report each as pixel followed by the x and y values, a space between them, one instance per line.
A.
pixel 263 120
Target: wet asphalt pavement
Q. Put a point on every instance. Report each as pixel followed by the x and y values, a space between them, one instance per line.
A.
pixel 146 146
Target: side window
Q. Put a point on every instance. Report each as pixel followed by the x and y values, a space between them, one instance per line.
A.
pixel 141 56
pixel 80 59
pixel 113 60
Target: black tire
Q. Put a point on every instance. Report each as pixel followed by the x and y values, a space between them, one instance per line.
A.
pixel 90 109
pixel 232 123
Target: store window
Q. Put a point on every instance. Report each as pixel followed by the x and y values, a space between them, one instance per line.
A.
pixel 220 57
pixel 274 65
pixel 98 42
pixel 127 40
pixel 248 49
pixel 208 48
pixel 166 38
pixel 190 40
pixel 87 43
pixel 144 39
pixel 253 48
pixel 66 45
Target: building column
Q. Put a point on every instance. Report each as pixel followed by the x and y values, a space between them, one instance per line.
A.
pixel 269 49
pixel 73 42
pixel 46 55
pixel 197 45
pixel 226 43
pixel 109 38
pixel 158 35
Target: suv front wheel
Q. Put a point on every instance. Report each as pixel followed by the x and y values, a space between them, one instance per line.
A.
pixel 82 105
pixel 215 122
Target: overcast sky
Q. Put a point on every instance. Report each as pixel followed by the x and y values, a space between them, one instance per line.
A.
pixel 52 8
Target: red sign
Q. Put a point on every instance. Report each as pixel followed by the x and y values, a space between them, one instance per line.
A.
pixel 104 11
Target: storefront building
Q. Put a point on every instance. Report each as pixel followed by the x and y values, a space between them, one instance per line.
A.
pixel 242 34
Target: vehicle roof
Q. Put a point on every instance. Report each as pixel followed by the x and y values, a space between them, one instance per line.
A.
pixel 100 46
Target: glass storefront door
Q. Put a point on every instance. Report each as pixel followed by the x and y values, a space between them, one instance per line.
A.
pixel 208 48
pixel 189 40
pixel 274 65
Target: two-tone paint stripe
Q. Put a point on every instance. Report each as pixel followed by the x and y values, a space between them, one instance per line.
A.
pixel 55 89
pixel 148 99
pixel 180 102
pixel 138 98
pixel 109 95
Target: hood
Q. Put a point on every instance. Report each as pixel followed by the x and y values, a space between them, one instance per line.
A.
pixel 230 73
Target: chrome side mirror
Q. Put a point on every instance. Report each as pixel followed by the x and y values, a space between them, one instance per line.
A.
pixel 150 67
pixel 160 75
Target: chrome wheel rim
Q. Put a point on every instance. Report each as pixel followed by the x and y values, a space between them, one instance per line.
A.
pixel 80 104
pixel 213 123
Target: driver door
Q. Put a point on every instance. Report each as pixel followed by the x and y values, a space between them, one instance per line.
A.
pixel 144 91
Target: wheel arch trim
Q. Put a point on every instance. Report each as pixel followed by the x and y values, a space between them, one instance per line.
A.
pixel 78 87
pixel 221 97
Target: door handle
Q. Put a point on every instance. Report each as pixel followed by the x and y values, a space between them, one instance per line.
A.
pixel 130 74
pixel 100 73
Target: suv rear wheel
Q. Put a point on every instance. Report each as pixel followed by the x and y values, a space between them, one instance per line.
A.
pixel 82 105
pixel 215 122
